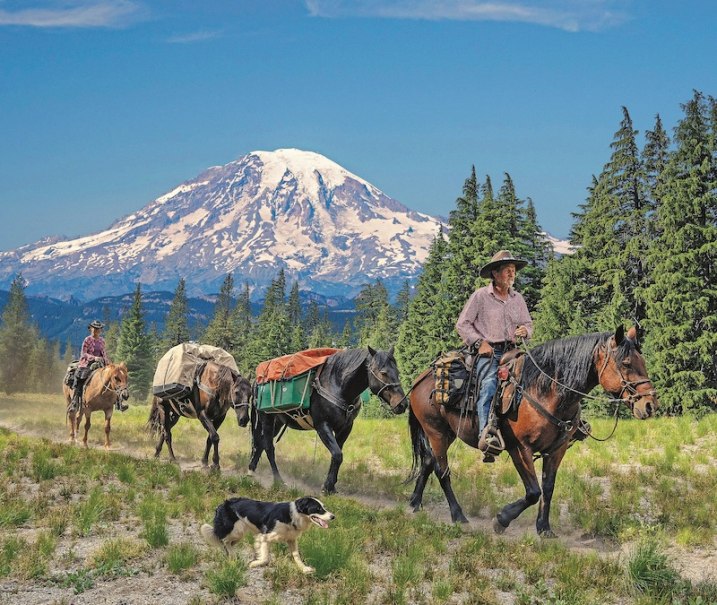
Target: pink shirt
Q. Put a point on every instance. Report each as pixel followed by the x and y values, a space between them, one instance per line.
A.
pixel 92 347
pixel 487 317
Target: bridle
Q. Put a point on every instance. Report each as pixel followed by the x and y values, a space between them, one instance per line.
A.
pixel 387 385
pixel 633 396
pixel 236 405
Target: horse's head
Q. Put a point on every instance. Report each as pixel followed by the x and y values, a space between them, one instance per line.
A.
pixel 241 399
pixel 116 379
pixel 622 373
pixel 383 380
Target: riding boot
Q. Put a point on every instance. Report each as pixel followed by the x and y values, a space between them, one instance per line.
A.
pixel 76 402
pixel 491 441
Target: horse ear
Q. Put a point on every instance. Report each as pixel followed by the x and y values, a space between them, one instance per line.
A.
pixel 390 351
pixel 632 333
pixel 619 335
pixel 371 351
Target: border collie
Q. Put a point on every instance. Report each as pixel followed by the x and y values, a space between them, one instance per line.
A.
pixel 270 521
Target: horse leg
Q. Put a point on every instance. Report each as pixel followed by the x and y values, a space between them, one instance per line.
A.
pixel 523 462
pixel 88 423
pixel 427 463
pixel 216 423
pixel 439 445
pixel 108 427
pixel 212 438
pixel 550 471
pixel 167 435
pixel 267 444
pixel 337 456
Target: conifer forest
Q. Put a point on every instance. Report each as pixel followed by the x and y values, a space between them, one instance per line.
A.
pixel 645 246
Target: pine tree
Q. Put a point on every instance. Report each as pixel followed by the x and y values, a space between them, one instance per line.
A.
pixel 682 312
pixel 242 322
pixel 219 332
pixel 17 338
pixel 429 327
pixel 135 349
pixel 176 327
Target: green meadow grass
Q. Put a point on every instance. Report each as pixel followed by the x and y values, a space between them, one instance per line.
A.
pixel 654 478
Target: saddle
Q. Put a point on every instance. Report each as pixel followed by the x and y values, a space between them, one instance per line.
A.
pixel 510 368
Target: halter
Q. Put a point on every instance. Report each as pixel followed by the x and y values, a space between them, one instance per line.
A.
pixel 387 385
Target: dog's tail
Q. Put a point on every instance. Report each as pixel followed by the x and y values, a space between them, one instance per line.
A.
pixel 207 532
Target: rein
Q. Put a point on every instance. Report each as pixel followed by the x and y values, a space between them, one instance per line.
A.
pixel 630 386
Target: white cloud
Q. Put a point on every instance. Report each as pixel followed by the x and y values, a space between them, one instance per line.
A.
pixel 80 14
pixel 568 15
pixel 199 36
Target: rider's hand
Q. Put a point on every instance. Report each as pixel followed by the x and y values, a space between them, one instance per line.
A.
pixel 521 332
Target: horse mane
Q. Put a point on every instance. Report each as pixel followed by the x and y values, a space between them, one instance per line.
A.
pixel 344 364
pixel 225 381
pixel 567 360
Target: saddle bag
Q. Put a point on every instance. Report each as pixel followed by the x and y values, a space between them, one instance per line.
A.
pixel 69 379
pixel 451 377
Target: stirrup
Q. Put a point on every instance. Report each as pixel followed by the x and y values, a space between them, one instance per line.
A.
pixel 491 442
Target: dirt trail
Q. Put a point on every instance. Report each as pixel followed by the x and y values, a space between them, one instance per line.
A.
pixel 696 564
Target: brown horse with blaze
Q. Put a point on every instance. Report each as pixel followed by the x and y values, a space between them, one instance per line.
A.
pixel 104 388
pixel 555 377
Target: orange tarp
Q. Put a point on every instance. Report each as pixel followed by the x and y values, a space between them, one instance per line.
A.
pixel 292 365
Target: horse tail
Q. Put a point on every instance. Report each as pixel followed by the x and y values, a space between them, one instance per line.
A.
pixel 154 422
pixel 419 445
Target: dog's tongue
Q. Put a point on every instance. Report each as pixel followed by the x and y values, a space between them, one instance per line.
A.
pixel 320 522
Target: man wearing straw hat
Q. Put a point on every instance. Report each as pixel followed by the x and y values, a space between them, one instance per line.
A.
pixel 491 321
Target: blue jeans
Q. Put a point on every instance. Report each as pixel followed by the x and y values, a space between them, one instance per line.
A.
pixel 487 367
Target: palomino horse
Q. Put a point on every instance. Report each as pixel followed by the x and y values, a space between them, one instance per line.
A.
pixel 335 404
pixel 103 390
pixel 216 388
pixel 555 377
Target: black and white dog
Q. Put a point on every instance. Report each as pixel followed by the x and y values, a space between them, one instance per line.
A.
pixel 270 521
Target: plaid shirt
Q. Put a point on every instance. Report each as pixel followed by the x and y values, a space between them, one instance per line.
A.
pixel 91 348
pixel 487 317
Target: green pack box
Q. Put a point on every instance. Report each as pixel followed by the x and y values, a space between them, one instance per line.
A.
pixel 285 395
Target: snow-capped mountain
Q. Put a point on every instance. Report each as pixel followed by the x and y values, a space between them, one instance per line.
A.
pixel 290 209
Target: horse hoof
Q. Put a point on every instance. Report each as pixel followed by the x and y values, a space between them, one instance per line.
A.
pixel 328 490
pixel 461 519
pixel 547 533
pixel 498 527
pixel 250 473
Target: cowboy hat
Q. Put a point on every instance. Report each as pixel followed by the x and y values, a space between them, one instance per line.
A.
pixel 501 257
pixel 96 324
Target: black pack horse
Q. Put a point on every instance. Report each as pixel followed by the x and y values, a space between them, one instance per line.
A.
pixel 335 403
pixel 216 388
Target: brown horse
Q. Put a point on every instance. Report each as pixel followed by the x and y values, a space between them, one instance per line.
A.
pixel 554 379
pixel 103 389
pixel 216 388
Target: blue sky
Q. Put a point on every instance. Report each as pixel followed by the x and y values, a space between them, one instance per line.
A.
pixel 107 104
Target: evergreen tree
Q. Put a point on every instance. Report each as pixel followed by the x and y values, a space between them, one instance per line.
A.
pixel 17 339
pixel 242 322
pixel 345 340
pixel 297 341
pixel 371 304
pixel 176 328
pixel 135 349
pixel 682 319
pixel 403 299
pixel 559 312
pixel 429 327
pixel 273 331
pixel 219 332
